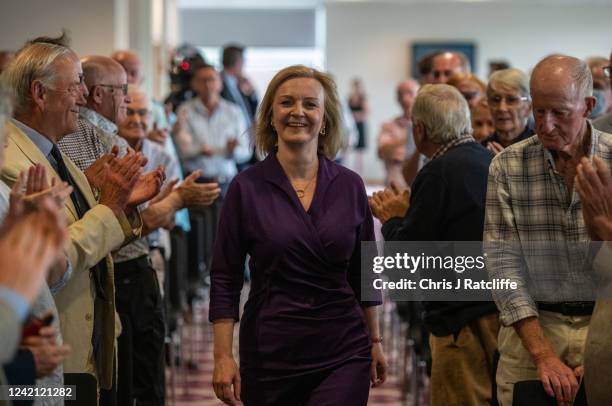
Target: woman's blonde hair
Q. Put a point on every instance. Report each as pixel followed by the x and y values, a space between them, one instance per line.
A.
pixel 330 142
pixel 461 77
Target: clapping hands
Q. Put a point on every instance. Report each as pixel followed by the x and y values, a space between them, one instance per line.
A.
pixel 391 202
pixel 594 185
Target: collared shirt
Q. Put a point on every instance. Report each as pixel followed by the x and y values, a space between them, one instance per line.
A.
pixel 457 141
pixel 156 156
pixel 42 143
pixel 604 123
pixel 161 121
pixel 89 142
pixel 214 130
pixel 98 120
pixel 529 210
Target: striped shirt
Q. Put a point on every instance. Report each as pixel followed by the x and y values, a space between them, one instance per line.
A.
pixel 534 230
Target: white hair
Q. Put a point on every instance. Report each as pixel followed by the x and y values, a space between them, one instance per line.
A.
pixel 33 62
pixel 443 111
pixel 509 79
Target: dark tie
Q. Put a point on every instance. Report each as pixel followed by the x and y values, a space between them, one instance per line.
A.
pixel 76 196
pixel 99 271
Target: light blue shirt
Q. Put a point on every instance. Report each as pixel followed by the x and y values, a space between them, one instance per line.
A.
pixel 43 143
pixel 16 302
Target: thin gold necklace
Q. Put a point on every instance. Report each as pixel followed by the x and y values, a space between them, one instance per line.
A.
pixel 302 192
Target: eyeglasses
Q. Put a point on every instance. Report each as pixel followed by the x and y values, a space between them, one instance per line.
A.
pixel 123 87
pixel 74 88
pixel 496 100
pixel 607 70
pixel 140 112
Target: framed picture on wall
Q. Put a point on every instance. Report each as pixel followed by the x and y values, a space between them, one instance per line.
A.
pixel 421 49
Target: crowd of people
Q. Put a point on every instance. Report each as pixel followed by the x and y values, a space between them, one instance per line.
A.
pixel 540 177
pixel 94 174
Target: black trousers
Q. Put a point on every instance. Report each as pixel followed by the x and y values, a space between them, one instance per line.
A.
pixel 141 378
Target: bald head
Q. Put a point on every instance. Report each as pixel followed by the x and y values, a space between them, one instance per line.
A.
pixel 131 63
pixel 406 93
pixel 99 70
pixel 105 80
pixel 447 64
pixel 136 124
pixel 561 91
pixel 561 71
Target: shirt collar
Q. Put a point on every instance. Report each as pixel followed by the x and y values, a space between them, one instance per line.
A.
pixel 202 109
pixel 43 143
pixel 593 147
pixel 449 145
pixel 98 120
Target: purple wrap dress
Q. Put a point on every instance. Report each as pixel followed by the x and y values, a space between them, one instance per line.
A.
pixel 303 336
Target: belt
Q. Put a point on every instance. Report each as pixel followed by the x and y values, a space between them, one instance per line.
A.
pixel 569 308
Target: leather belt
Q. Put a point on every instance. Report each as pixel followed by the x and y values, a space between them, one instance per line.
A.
pixel 569 308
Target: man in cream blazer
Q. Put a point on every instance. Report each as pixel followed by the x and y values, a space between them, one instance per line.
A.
pixel 47 109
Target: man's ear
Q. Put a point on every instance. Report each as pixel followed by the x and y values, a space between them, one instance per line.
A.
pixel 589 102
pixel 418 130
pixel 96 94
pixel 38 92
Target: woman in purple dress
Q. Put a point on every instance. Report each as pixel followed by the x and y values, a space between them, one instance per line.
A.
pixel 306 337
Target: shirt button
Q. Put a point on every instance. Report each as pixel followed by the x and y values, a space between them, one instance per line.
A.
pixel 88 317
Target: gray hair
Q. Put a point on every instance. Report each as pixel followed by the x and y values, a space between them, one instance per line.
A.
pixel 32 62
pixel 509 79
pixel 443 111
pixel 578 69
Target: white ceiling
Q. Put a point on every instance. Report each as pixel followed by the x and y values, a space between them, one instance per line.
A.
pixel 314 3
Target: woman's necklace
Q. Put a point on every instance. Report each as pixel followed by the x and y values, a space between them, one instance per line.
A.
pixel 301 192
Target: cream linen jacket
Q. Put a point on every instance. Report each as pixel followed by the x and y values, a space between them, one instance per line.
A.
pixel 92 238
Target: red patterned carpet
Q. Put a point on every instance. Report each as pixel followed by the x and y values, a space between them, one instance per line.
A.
pixel 194 386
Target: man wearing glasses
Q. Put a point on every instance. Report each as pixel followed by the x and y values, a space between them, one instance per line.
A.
pixel 510 104
pixel 47 80
pixel 106 105
pixel 604 123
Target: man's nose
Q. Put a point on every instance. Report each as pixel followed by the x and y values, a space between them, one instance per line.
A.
pixel 82 99
pixel 545 123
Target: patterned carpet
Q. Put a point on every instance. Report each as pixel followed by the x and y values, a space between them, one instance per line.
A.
pixel 194 387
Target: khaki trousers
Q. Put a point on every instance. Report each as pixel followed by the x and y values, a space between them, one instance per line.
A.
pixel 462 364
pixel 567 335
pixel 598 356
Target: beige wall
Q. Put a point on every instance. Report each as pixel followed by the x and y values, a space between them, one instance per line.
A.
pixel 90 22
